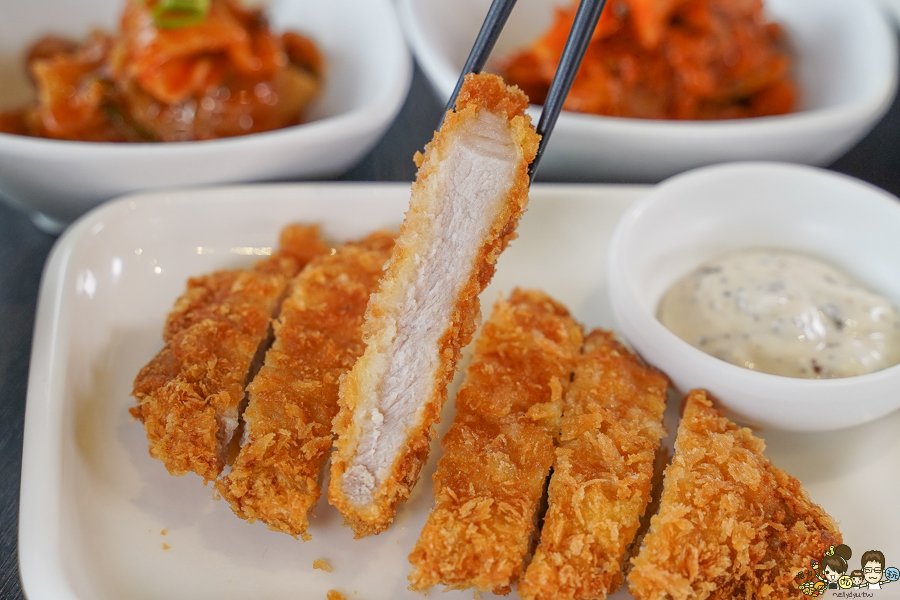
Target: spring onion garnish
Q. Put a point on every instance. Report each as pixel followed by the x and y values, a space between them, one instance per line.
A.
pixel 172 14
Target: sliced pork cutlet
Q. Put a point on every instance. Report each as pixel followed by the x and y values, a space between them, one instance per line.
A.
pixel 294 397
pixel 498 452
pixel 610 434
pixel 189 395
pixel 730 524
pixel 471 189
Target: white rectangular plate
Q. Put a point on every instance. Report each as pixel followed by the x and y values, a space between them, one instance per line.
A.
pixel 101 519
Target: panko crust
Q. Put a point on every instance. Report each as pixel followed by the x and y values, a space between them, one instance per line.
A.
pixel 497 454
pixel 610 435
pixel 206 294
pixel 479 92
pixel 294 397
pixel 730 524
pixel 189 394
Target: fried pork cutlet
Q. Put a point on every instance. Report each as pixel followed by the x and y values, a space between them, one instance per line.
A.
pixel 189 395
pixel 471 189
pixel 294 397
pixel 498 452
pixel 611 431
pixel 730 524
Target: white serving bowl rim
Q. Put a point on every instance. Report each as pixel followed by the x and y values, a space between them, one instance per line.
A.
pixel 849 118
pixel 323 127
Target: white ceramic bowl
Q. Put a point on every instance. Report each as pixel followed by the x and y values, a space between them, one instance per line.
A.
pixel 892 7
pixel 369 73
pixel 707 212
pixel 846 65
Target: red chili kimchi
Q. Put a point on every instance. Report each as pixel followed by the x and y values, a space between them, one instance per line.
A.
pixel 669 59
pixel 227 74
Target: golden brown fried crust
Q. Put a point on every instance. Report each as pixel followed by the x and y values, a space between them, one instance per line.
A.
pixel 212 336
pixel 498 452
pixel 479 92
pixel 730 524
pixel 294 397
pixel 611 431
pixel 206 294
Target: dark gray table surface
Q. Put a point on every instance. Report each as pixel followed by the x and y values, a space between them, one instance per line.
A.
pixel 23 250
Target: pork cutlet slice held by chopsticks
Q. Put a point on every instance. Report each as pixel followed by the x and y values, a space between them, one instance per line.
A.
pixel 294 397
pixel 730 524
pixel 498 452
pixel 471 189
pixel 189 395
pixel 610 435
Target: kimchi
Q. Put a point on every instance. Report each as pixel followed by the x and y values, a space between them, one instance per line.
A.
pixel 177 70
pixel 668 59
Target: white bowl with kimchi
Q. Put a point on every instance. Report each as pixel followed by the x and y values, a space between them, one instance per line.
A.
pixel 128 95
pixel 683 83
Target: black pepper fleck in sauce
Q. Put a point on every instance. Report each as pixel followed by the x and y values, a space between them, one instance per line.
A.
pixel 784 313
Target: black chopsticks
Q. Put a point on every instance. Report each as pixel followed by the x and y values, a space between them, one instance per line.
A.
pixel 579 37
pixel 493 24
pixel 576 44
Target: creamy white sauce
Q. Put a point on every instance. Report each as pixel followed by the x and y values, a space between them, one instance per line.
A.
pixel 783 313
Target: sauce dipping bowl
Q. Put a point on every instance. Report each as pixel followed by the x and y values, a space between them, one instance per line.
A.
pixel 368 74
pixel 845 64
pixel 708 212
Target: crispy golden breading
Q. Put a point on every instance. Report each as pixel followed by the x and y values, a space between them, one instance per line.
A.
pixel 189 394
pixel 498 452
pixel 730 524
pixel 471 189
pixel 611 431
pixel 206 295
pixel 321 563
pixel 294 397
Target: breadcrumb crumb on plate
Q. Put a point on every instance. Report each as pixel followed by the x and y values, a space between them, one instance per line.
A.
pixel 321 563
